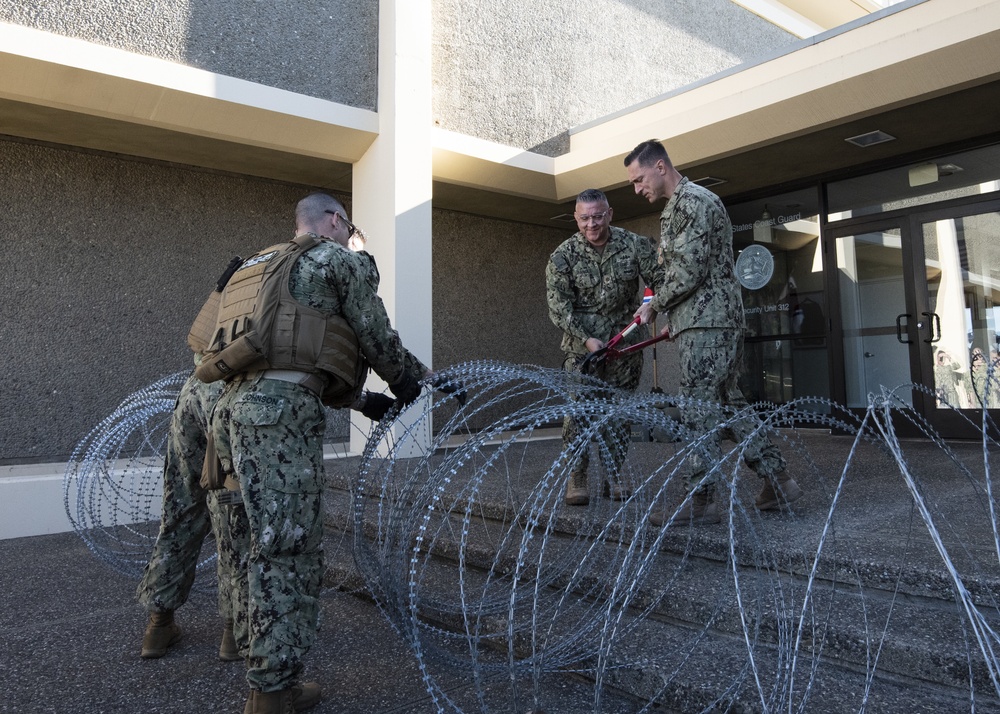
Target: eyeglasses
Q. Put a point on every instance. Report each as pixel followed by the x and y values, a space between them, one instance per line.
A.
pixel 596 217
pixel 351 228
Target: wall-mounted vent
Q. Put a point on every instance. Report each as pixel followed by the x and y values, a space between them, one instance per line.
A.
pixel 870 139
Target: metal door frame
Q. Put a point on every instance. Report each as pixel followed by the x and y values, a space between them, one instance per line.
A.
pixel 919 327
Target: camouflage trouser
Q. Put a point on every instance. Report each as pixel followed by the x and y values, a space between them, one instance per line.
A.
pixel 613 438
pixel 269 435
pixel 710 362
pixel 189 511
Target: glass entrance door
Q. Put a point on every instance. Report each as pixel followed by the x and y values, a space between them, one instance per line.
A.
pixel 919 303
pixel 874 323
pixel 961 276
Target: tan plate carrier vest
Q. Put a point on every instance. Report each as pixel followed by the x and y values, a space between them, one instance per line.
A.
pixel 260 326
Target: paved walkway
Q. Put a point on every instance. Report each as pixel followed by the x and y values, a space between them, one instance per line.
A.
pixel 70 628
pixel 70 633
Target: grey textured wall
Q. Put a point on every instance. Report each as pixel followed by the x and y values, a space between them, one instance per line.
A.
pixel 321 48
pixel 108 261
pixel 489 291
pixel 524 73
pixel 489 295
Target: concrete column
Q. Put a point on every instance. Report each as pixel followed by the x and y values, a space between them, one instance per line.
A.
pixel 392 181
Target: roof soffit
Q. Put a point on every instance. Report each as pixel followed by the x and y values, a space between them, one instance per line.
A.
pixel 112 100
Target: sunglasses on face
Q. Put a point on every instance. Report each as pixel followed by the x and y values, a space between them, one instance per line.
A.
pixel 351 228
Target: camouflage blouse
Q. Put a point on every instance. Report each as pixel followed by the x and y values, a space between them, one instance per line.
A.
pixel 593 294
pixel 335 280
pixel 696 248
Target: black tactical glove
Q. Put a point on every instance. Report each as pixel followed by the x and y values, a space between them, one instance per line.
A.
pixel 450 386
pixel 406 389
pixel 376 405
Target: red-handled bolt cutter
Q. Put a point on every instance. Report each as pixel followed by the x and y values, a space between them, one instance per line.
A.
pixel 609 353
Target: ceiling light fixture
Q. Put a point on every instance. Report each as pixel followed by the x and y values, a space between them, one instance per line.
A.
pixel 870 139
pixel 708 181
pixel 923 174
pixel 763 232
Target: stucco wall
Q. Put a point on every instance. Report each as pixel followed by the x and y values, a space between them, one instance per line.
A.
pixel 326 48
pixel 109 258
pixel 489 291
pixel 524 73
pixel 108 261
pixel 521 74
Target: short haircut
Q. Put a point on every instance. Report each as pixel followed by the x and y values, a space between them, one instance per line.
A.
pixel 592 195
pixel 648 153
pixel 310 210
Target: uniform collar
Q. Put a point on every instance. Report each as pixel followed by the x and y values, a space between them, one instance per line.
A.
pixel 324 239
pixel 682 187
pixel 612 246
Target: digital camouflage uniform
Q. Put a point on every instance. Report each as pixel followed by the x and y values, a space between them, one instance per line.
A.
pixel 594 294
pixel 188 513
pixel 703 307
pixel 269 434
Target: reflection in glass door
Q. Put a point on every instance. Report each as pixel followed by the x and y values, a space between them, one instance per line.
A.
pixel 962 267
pixel 919 303
pixel 874 319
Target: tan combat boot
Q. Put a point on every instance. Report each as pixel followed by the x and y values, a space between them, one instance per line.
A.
pixel 576 489
pixel 699 510
pixel 779 491
pixel 286 701
pixel 227 648
pixel 161 634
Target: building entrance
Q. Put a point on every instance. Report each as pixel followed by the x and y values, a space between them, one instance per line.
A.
pixel 918 298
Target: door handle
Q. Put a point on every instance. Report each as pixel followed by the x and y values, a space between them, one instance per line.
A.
pixel 899 328
pixel 934 321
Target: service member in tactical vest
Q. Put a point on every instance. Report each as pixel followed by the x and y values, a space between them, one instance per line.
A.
pixel 299 324
pixel 260 326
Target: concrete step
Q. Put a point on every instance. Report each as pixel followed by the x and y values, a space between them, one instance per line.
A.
pixel 876 628
pixel 688 653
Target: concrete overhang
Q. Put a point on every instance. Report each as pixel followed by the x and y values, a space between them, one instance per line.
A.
pixel 67 91
pixel 784 114
pixel 475 163
pixel 808 17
